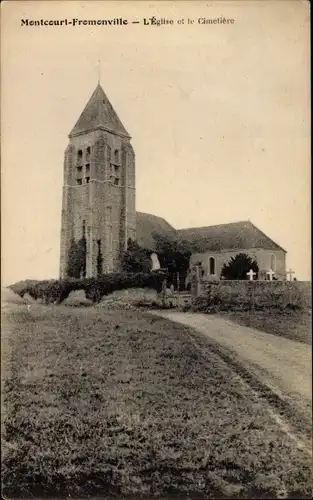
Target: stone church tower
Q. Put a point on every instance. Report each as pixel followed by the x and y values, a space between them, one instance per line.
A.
pixel 99 188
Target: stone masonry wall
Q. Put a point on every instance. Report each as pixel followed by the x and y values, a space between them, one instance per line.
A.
pixel 107 211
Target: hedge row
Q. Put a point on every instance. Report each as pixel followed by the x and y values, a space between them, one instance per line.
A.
pixel 56 291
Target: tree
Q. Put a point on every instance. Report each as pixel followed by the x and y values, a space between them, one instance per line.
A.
pixel 76 264
pixel 136 259
pixel 99 259
pixel 174 255
pixel 238 267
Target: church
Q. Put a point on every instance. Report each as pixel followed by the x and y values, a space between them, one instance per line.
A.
pixel 99 203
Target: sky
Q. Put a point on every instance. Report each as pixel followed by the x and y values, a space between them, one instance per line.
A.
pixel 218 114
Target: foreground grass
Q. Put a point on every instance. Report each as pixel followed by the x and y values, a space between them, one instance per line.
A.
pixel 110 403
pixel 294 325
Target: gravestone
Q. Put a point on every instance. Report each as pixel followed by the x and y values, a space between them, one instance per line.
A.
pixel 155 262
pixel 270 274
pixel 195 281
pixel 290 273
pixel 262 275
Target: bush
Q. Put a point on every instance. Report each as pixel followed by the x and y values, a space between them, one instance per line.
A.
pixel 56 291
pixel 136 259
pixel 237 295
pixel 23 287
pixel 238 267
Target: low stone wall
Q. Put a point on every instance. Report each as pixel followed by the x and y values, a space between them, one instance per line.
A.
pixel 258 294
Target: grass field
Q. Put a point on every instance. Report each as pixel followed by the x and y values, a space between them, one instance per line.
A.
pixel 294 325
pixel 114 403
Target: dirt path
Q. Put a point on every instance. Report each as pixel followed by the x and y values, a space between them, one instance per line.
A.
pixel 278 370
pixel 284 363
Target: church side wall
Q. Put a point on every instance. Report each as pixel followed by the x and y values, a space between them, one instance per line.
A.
pixel 263 257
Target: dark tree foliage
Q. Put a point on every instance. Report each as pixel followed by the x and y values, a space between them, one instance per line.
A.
pixel 136 259
pixel 99 259
pixel 76 264
pixel 238 267
pixel 174 255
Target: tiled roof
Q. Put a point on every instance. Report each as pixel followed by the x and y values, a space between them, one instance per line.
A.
pixel 99 114
pixel 147 225
pixel 233 236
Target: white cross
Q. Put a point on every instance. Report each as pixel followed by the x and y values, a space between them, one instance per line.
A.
pixel 197 272
pixel 290 272
pixel 251 274
pixel 270 274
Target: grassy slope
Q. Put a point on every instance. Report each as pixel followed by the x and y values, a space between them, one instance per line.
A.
pixel 102 402
pixel 294 325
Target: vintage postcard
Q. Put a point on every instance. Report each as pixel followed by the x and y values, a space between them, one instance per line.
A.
pixel 156 280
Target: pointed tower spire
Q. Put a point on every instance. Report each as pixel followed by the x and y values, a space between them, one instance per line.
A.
pixel 99 114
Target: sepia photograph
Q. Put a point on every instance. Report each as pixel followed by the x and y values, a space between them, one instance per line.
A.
pixel 156 301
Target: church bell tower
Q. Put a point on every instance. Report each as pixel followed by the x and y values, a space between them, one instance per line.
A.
pixel 98 188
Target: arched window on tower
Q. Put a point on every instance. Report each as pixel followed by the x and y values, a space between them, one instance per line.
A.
pixel 79 157
pixel 116 157
pixel 211 266
pixel 88 151
pixel 79 168
pixel 115 171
